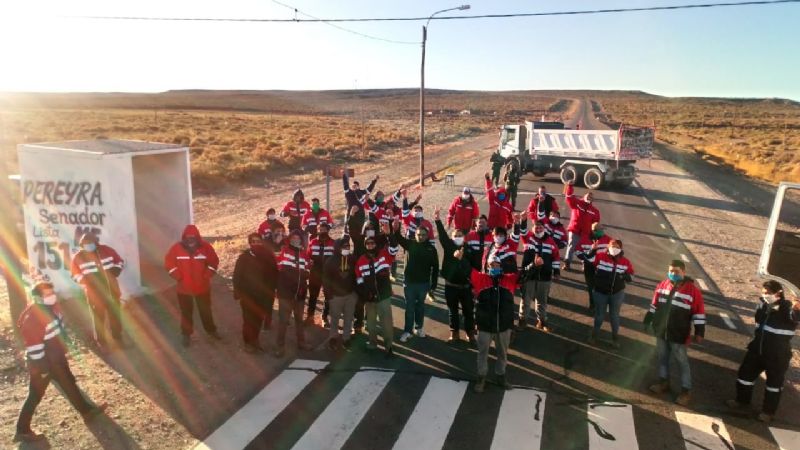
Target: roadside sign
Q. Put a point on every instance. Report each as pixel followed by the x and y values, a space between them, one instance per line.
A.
pixel 781 249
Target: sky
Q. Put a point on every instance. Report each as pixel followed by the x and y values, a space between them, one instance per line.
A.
pixel 748 51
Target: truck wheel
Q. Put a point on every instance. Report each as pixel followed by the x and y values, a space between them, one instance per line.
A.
pixel 593 178
pixel 569 173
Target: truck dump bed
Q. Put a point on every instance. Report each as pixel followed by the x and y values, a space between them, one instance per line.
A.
pixel 627 143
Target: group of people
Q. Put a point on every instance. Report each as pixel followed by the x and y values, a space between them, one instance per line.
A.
pixel 296 262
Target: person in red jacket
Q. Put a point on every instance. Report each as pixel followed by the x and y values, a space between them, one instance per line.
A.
pixel 587 249
pixel 266 227
pixel 295 209
pixel 542 205
pixel 96 268
pixel 463 212
pixel 501 213
pixel 556 229
pixel 320 249
pixel 414 219
pixel 314 217
pixel 192 262
pixel 583 215
pixel 612 271
pixel 293 265
pixel 42 331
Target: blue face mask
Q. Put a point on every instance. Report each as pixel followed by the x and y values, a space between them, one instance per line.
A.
pixel 501 197
pixel 90 247
pixel 495 271
pixel 674 277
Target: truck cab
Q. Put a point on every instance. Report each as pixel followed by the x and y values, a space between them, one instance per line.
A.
pixel 512 141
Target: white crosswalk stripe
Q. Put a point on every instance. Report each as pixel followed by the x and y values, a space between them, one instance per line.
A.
pixel 786 439
pixel 430 422
pixel 519 422
pixel 611 426
pixel 703 432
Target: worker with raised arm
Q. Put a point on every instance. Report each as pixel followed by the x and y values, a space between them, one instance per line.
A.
pixel 501 213
pixel 583 215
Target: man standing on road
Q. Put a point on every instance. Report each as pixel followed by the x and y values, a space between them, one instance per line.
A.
pixel 266 227
pixel 339 278
pixel 583 215
pixel 456 271
pixel 586 252
pixel 497 165
pixel 542 205
pixel 192 262
pixel 770 350
pixel 512 179
pixel 313 218
pixel 414 219
pixel 612 271
pixel 254 287
pixel 320 249
pixel 556 230
pixel 495 317
pixel 355 196
pixel 478 240
pixel 540 265
pixel 501 213
pixel 463 211
pixel 96 268
pixel 295 209
pixel 421 276
pixel 293 267
pixel 375 288
pixel 503 248
pixel 677 304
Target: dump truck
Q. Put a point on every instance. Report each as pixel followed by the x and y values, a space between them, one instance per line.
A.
pixel 595 158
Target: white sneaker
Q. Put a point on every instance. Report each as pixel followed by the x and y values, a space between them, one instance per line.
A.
pixel 420 332
pixel 405 336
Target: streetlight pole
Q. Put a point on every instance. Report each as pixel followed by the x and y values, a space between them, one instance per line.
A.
pixel 422 93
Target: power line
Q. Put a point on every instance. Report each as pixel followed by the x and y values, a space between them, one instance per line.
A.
pixel 460 17
pixel 296 11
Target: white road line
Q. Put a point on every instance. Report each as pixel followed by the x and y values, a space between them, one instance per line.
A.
pixel 727 319
pixel 684 258
pixel 262 409
pixel 655 213
pixel 703 432
pixel 663 226
pixel 672 240
pixel 519 422
pixel 611 426
pixel 702 284
pixel 333 427
pixel 432 417
pixel 786 439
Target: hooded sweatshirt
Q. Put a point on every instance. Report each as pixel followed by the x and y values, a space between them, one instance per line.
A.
pixel 295 209
pixel 192 268
pixel 339 273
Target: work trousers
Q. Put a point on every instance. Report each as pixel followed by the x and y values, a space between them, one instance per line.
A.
pixel 105 307
pixel 380 311
pixel 460 296
pixel 186 303
pixel 314 287
pixel 588 277
pixel 254 313
pixel 61 375
pixel 342 306
pixel 572 245
pixel 288 307
pixel 666 349
pixel 501 341
pixel 612 302
pixel 537 292
pixel 415 294
pixel 775 364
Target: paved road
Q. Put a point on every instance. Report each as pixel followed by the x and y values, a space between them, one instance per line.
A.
pixel 568 395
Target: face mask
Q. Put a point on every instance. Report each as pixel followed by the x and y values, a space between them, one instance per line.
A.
pixel 588 200
pixel 379 200
pixel 674 277
pixel 271 216
pixel 345 252
pixel 315 207
pixel 499 239
pixel 90 247
pixel 554 220
pixel 370 233
pixel 768 298
pixel 614 251
pixel 458 240
pixel 495 271
pixel 422 238
pixel 482 227
pixel 598 233
pixel 501 197
pixel 296 244
pixel 418 215
pixel 465 197
pixel 50 300
pixel 539 235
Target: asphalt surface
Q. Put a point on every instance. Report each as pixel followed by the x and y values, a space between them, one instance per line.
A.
pixel 568 394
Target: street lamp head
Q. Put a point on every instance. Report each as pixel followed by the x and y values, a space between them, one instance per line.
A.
pixel 463 7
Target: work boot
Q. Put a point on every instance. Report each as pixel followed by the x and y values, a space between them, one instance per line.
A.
pixel 659 388
pixel 215 335
pixel 734 404
pixel 615 342
pixel 521 324
pixel 389 353
pixel 480 385
pixel 454 337
pixel 764 417
pixel 472 341
pixel 503 382
pixel 684 398
pixel 28 436
pixel 592 340
pixel 94 412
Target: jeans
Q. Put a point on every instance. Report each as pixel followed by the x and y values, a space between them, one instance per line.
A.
pixel 611 301
pixel 501 341
pixel 572 245
pixel 186 303
pixel 415 305
pixel 537 292
pixel 342 306
pixel 380 310
pixel 665 349
pixel 456 296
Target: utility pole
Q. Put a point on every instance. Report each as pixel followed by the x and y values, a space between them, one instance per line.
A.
pixel 422 110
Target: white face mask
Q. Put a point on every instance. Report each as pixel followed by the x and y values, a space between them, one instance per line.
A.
pixel 614 251
pixel 499 239
pixel 50 300
pixel 465 197
pixel 539 235
pixel 418 214
pixel 458 240
pixel 370 233
pixel 271 216
pixel 554 220
pixel 345 252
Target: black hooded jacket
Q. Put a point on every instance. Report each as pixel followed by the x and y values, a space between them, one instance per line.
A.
pixel 339 272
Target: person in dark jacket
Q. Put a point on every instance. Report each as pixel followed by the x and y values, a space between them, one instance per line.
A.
pixel 770 350
pixel 421 275
pixel 42 331
pixel 479 240
pixel 355 196
pixel 497 165
pixel 375 289
pixel 456 270
pixel 339 279
pixel 612 271
pixel 541 265
pixel 494 317
pixel 292 286
pixel 677 305
pixel 254 287
pixel 380 234
pixel 320 249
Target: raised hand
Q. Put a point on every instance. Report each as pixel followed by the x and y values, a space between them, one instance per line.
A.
pixel 459 254
pixel 487 176
pixel 419 197
pixel 404 192
pixel 538 261
pixel 396 225
pixel 437 213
